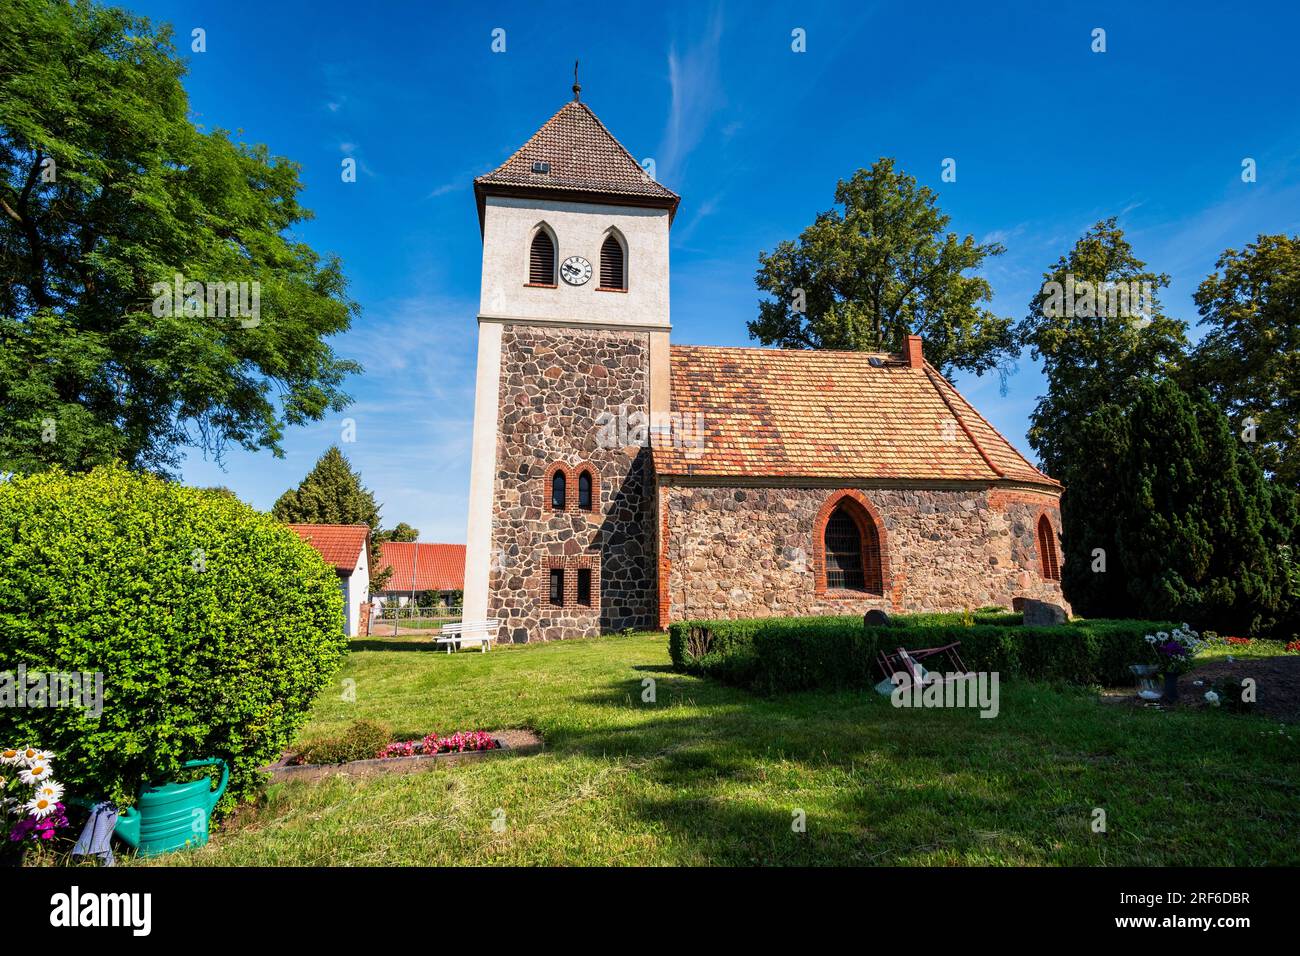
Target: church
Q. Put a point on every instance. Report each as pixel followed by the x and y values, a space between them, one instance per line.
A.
pixel 620 481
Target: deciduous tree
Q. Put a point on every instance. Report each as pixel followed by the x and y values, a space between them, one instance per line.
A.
pixel 1094 343
pixel 880 266
pixel 108 193
pixel 1250 357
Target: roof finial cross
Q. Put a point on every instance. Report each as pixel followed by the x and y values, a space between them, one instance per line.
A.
pixel 577 90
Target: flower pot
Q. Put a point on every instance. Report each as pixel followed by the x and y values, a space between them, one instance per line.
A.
pixel 1171 687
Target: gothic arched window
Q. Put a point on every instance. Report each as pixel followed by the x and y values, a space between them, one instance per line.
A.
pixel 541 258
pixel 1051 565
pixel 849 550
pixel 557 491
pixel 584 490
pixel 613 265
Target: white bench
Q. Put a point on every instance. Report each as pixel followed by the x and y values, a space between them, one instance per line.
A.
pixel 469 632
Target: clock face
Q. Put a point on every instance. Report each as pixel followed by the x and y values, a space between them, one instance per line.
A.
pixel 576 270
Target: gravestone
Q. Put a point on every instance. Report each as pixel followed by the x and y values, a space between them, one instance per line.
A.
pixel 1043 614
pixel 875 618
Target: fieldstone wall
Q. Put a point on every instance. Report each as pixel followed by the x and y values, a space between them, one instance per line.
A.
pixel 555 383
pixel 748 551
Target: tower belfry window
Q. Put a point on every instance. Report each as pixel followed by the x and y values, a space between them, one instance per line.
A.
pixel 613 265
pixel 541 259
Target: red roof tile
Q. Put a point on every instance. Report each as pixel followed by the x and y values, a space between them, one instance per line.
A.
pixel 423 567
pixel 583 157
pixel 823 414
pixel 339 544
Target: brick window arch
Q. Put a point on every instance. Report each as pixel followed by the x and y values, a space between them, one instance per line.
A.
pixel 850 557
pixel 584 489
pixel 555 487
pixel 1048 559
pixel 571 488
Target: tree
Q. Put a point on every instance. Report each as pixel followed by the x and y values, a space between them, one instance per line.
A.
pixel 402 532
pixel 1250 358
pixel 128 237
pixel 332 493
pixel 1098 326
pixel 865 276
pixel 1092 575
pixel 1190 528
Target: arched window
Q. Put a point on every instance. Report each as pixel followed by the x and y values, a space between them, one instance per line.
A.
pixel 557 491
pixel 541 259
pixel 584 490
pixel 613 264
pixel 1047 550
pixel 850 557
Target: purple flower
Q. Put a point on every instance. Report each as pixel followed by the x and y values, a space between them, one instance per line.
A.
pixel 43 829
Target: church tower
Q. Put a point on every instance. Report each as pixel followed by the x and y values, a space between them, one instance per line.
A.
pixel 573 360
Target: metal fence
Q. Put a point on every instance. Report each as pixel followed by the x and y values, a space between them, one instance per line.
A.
pixel 412 620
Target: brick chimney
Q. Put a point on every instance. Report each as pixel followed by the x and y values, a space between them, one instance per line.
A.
pixel 913 352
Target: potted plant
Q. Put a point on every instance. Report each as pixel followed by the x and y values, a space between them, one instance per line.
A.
pixel 31 805
pixel 1174 653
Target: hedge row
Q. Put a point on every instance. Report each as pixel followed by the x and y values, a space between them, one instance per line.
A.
pixel 785 654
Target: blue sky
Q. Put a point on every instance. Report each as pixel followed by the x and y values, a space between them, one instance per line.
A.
pixel 1048 137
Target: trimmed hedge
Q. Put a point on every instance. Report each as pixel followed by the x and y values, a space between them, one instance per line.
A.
pixel 214 627
pixel 771 655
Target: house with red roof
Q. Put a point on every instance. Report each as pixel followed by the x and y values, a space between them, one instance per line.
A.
pixel 422 567
pixel 346 548
pixel 619 481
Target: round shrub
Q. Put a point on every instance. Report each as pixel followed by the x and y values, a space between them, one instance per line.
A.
pixel 213 626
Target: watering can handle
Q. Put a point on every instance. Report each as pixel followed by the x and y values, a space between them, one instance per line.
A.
pixel 212 762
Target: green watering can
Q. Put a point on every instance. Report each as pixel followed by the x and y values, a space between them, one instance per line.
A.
pixel 171 816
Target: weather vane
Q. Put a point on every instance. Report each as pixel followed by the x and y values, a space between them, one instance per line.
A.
pixel 577 90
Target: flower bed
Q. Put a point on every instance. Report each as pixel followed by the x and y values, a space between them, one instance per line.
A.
pixel 457 743
pixel 30 798
pixel 407 755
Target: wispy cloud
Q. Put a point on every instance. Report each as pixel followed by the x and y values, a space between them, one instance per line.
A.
pixel 695 80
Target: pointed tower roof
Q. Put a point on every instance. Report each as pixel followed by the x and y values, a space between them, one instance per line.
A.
pixel 574 157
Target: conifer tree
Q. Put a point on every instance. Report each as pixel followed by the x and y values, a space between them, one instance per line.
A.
pixel 332 493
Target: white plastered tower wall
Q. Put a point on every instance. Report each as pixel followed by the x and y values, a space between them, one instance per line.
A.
pixel 579 228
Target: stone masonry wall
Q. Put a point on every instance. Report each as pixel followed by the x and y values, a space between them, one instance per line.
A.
pixel 748 551
pixel 555 383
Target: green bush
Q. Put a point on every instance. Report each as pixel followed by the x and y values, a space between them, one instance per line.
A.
pixel 1082 652
pixel 770 655
pixel 362 740
pixel 213 625
pixel 703 646
pixel 996 615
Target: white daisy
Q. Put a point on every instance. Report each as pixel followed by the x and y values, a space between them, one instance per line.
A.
pixel 39 806
pixel 10 756
pixel 36 772
pixel 1151 638
pixel 52 789
pixel 34 754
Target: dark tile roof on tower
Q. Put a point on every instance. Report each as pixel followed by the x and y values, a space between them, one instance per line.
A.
pixel 582 157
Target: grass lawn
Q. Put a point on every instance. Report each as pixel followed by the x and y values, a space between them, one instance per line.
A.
pixel 712 775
